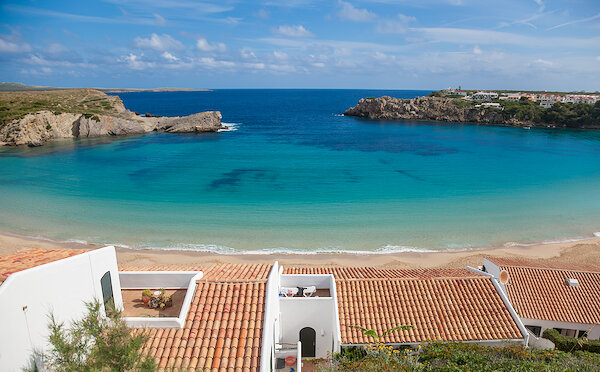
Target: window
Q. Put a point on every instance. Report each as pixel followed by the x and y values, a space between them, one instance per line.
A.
pixel 107 292
pixel 581 333
pixel 535 330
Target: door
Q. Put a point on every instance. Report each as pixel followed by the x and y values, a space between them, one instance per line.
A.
pixel 308 338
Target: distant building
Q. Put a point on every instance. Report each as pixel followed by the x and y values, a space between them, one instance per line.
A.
pixel 451 91
pixel 485 96
pixel 562 296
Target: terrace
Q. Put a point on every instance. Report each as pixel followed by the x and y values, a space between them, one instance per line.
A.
pixel 178 287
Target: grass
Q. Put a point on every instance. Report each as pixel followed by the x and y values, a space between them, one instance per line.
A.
pixel 15 105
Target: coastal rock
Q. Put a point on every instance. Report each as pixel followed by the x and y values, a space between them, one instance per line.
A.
pixel 38 128
pixel 209 121
pixel 428 108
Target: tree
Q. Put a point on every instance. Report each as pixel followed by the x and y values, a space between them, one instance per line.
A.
pixel 96 343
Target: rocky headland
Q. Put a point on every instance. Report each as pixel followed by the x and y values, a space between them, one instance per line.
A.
pixel 33 118
pixel 458 111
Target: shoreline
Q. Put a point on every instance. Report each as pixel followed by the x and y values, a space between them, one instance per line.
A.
pixel 585 250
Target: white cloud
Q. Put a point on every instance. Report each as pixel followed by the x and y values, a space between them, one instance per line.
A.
pixel 486 37
pixel 293 31
pixel 477 50
pixel 543 62
pixel 160 20
pixel 395 26
pixel 169 57
pixel 351 13
pixel 134 62
pixel 247 53
pixel 262 14
pixel 575 21
pixel 279 55
pixel 213 63
pixel 205 46
pixel 158 42
pixel 11 47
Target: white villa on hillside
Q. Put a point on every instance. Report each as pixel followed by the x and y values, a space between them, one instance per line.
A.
pixel 485 96
pixel 249 317
pixel 565 297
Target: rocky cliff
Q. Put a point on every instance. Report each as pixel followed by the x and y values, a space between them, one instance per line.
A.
pixel 108 118
pixel 429 108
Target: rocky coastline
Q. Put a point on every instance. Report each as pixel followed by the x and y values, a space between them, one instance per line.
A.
pixel 441 109
pixel 37 128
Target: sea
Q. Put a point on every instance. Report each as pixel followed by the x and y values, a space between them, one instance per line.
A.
pixel 291 174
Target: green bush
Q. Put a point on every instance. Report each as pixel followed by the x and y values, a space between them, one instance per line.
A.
pixel 566 343
pixel 442 356
pixel 96 343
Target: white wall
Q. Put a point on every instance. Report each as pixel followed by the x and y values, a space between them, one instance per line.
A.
pixel 271 321
pixel 314 312
pixel 27 298
pixel 545 324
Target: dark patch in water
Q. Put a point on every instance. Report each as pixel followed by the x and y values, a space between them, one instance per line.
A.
pixel 410 175
pixel 234 178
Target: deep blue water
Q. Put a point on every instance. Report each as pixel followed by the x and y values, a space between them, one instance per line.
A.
pixel 296 175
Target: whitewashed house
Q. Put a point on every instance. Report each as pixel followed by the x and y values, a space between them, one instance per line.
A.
pixel 37 283
pixel 485 96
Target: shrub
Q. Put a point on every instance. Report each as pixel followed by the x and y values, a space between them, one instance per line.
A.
pixel 566 343
pixel 448 356
pixel 96 343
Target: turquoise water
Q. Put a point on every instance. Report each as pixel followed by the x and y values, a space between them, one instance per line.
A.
pixel 297 176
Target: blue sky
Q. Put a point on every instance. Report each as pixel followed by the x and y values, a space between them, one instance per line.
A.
pixel 387 44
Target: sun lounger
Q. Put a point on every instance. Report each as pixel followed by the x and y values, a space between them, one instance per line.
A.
pixel 289 291
pixel 309 291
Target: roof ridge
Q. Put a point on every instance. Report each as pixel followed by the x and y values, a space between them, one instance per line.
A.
pixel 551 269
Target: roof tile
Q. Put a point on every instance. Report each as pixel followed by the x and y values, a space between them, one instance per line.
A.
pixel 27 259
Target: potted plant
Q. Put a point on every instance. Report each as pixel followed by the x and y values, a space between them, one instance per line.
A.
pixel 146 296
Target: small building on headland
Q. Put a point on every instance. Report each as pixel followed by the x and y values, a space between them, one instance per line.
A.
pixel 562 296
pixel 485 96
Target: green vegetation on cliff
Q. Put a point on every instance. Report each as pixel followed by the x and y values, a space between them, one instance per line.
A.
pixel 571 115
pixel 90 102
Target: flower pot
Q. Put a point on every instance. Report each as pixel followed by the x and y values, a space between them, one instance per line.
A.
pixel 146 299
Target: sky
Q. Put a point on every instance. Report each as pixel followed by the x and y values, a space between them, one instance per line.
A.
pixel 325 44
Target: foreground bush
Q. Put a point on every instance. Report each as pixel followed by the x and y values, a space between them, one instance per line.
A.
pixel 439 356
pixel 566 343
pixel 96 343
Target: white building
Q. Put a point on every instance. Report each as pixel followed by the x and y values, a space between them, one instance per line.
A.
pixel 250 317
pixel 37 283
pixel 565 297
pixel 485 96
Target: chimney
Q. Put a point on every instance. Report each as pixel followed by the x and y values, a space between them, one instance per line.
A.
pixel 572 282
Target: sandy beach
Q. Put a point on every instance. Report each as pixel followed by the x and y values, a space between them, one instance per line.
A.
pixel 582 251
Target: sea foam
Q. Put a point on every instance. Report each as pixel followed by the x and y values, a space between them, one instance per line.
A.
pixel 229 127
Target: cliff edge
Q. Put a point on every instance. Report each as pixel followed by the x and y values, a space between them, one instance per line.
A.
pixel 33 118
pixel 460 111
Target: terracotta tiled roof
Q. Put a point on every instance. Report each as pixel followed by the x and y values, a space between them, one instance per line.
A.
pixel 31 258
pixel 451 304
pixel 216 272
pixel 457 309
pixel 237 272
pixel 373 273
pixel 162 268
pixel 223 328
pixel 543 264
pixel 542 292
pixel 222 331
